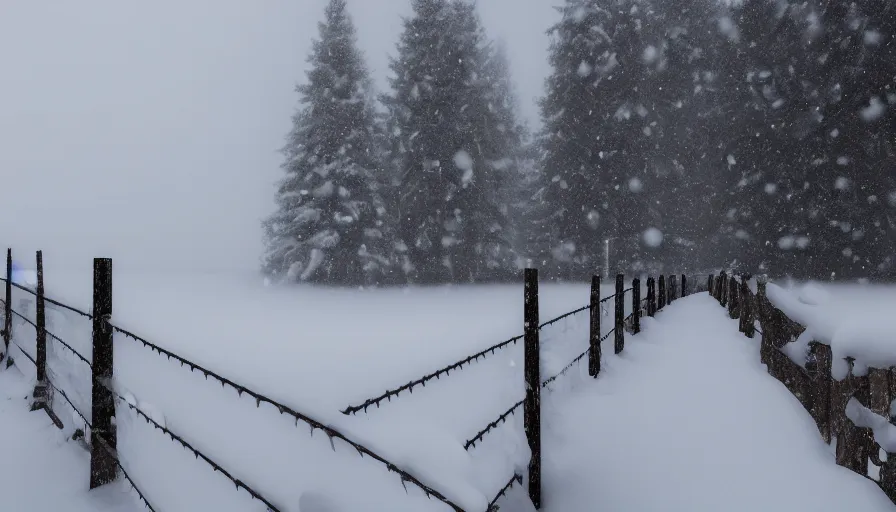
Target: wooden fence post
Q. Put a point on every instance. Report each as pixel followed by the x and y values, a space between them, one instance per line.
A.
pixel 594 335
pixel 662 295
pixel 684 285
pixel 651 297
pixel 40 394
pixel 672 289
pixel 532 405
pixel 710 286
pixel 732 297
pixel 723 289
pixel 636 306
pixel 747 308
pixel 7 306
pixel 619 331
pixel 103 435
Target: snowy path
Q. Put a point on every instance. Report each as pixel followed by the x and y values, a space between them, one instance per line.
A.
pixel 41 471
pixel 688 419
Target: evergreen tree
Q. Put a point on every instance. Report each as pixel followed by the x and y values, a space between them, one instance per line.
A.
pixel 595 133
pixel 450 217
pixel 328 227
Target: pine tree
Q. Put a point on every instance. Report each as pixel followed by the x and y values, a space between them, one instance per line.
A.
pixel 595 133
pixel 328 227
pixel 450 217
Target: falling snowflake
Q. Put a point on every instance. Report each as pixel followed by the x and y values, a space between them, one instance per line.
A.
pixel 771 188
pixel 635 185
pixel 653 237
pixel 593 219
pixel 842 183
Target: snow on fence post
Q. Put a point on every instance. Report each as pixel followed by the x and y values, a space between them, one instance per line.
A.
pixel 636 306
pixel 651 297
pixel 684 285
pixel 40 388
pixel 594 334
pixel 532 405
pixel 662 296
pixel 7 306
pixel 103 436
pixel 619 331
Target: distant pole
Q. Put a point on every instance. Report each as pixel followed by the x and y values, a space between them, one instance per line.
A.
pixel 531 371
pixel 103 435
pixel 607 259
pixel 594 334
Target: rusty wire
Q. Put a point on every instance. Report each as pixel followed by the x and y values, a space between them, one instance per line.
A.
pixel 354 409
pixel 54 337
pixel 49 300
pixel 284 409
pixel 516 478
pixel 199 455
pixel 471 443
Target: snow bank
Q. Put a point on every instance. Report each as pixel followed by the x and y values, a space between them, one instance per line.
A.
pixel 855 320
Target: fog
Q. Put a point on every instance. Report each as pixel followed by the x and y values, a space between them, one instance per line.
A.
pixel 149 132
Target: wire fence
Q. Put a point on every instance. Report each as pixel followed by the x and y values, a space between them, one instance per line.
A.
pixel 103 327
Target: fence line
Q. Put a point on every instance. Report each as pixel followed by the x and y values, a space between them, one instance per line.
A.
pixel 103 450
pixel 107 449
pixel 824 397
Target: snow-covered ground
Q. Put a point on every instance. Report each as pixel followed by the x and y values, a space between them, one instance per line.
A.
pixel 42 470
pixel 319 350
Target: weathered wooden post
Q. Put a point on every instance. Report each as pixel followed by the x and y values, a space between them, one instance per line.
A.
pixel 672 289
pixel 710 286
pixel 732 297
pixel 594 334
pixel 7 305
pixel 684 285
pixel 40 394
pixel 636 306
pixel 768 330
pixel 619 331
pixel 532 373
pixel 662 295
pixel 723 289
pixel 103 435
pixel 651 297
pixel 747 314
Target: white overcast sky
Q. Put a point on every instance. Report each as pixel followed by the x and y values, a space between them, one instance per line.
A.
pixel 148 131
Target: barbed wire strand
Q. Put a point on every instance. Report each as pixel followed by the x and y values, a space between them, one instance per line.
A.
pixel 199 455
pixel 311 422
pixel 354 409
pixel 574 361
pixel 54 337
pixel 49 300
pixel 471 443
pixel 112 453
pixel 564 315
pixel 516 478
